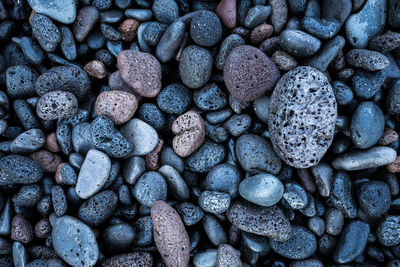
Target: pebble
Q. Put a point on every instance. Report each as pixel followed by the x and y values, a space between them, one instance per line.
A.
pixel 64 138
pixel 342 195
pixel 91 177
pixel 176 184
pixel 265 221
pixel 386 42
pixel 98 208
pixel 249 73
pixel 19 255
pixel 60 204
pixel 214 201
pixel 227 45
pixel 238 124
pixel 363 159
pixel 165 11
pixel 210 97
pixel 195 66
pixel 374 197
pixel 74 242
pixel 170 236
pixel 133 168
pixel 299 43
pixel 393 99
pixel 316 225
pixel 118 237
pixel 153 32
pixel 295 196
pixel 43 228
pixel 226 10
pixel 256 155
pixel 96 69
pixel 62 11
pixel 150 187
pixel 143 137
pixel 15 169
pixel 339 10
pixel 190 213
pixel 85 21
pixel 57 105
pixel 27 196
pixel 119 106
pixel 20 81
pixel 323 177
pixel 206 157
pixel 174 99
pixel 46 32
pixel 153 159
pixel 64 78
pixel 139 14
pixel 21 229
pixel 141 71
pixel 213 229
pixel 205 29
pixel 352 241
pixel 260 33
pixel 109 32
pixel 388 231
pixel 334 221
pixel 151 114
pixel 262 189
pixel 128 29
pixel 343 93
pixel 144 231
pixel 367 125
pixel 367 59
pixel 47 161
pixel 393 16
pixel 170 41
pixel 28 142
pixel 366 84
pixel 320 28
pixel 141 258
pixel 283 60
pixel 367 23
pixel 297 138
pixel 301 244
pixel 206 258
pixel 256 15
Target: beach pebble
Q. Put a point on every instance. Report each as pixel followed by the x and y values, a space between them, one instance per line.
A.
pixel 205 29
pixel 62 11
pixel 150 187
pixel 226 10
pixel 367 59
pixel 299 43
pixel 15 169
pixel 57 105
pixel 388 231
pixel 98 208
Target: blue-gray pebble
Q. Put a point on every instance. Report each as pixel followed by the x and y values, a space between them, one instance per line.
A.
pixel 207 156
pixel 367 83
pixel 150 187
pixel 15 169
pixel 174 99
pixel 206 28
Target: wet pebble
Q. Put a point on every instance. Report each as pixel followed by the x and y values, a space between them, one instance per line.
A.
pixel 299 43
pixel 98 208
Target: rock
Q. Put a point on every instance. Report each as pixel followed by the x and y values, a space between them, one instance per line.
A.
pixel 214 201
pixel 206 157
pixel 238 124
pixel 74 242
pixel 302 138
pixel 62 11
pixel 170 41
pixel 85 21
pixel 190 213
pixel 57 105
pixel 299 43
pixel 227 45
pixel 279 14
pixel 143 137
pixel 388 231
pixel 367 59
pixel 367 23
pixel 140 258
pixel 321 28
pixel 176 184
pixel 15 169
pixel 213 229
pixel 133 168
pixel 21 229
pixel 118 237
pixel 20 81
pixel 366 84
pixel 190 133
pixel 46 32
pixel 301 245
pixel 165 11
pixel 226 10
pixel 205 28
pixel 374 197
pixel 224 178
pixel 150 187
pixel 96 69
pixel 153 159
pixel 367 125
pixel 256 155
pixel 249 73
pixel 352 242
pixel 64 138
pixel 210 97
pixel 28 142
pixel 151 114
pixel 64 78
pixel 334 221
pixel 206 258
pixel 265 221
pixel 343 93
pixel 393 98
pixel 170 236
pixel 323 176
pixel 139 14
pixel 227 256
pixel 364 159
pixel 174 99
pixel 144 231
pixel 43 228
pixel 195 66
pixel 283 60
pixel 261 189
pixel 119 106
pixel 393 16
pixel 256 15
pixel 295 196
pixel 316 225
pixel 19 255
pixel 260 33
pixel 46 160
pixel 141 71
pixel 93 174
pixel 98 208
pixel 338 10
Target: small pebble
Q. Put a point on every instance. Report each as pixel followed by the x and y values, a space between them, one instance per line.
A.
pixel 96 68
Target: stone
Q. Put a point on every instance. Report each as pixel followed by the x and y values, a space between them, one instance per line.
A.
pixel 133 168
pixel 98 208
pixel 226 10
pixel 46 160
pixel 28 142
pixel 190 213
pixel 170 41
pixel 213 229
pixel 85 21
pixel 279 14
pixel 256 15
pixel 96 69
pixel 174 99
pixel 214 201
pixel 388 231
pixel 150 187
pixel 128 29
pixel 334 220
pixel 249 73
pixel 205 29
pixel 74 242
pixel 140 258
pixel 374 197
pixel 57 105
pixel 227 45
pixel 21 229
pixel 46 32
pixel 210 97
pixel 283 60
pixel 321 28
pixel 141 71
pixel 302 138
pixel 170 236
pixel 367 59
pixel 93 174
pixel 366 83
pixel 15 169
pixel 165 11
pixel 176 184
pixel 20 81
pixel 323 177
pixel 206 258
pixel 206 157
pixel 62 11
pixel 295 196
pixel 261 189
pixel 299 43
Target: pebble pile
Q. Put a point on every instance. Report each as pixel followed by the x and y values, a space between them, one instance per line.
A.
pixel 204 133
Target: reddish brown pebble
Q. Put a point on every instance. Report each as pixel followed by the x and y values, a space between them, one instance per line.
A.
pixel 228 256
pixel 141 71
pixel 170 235
pixel 46 160
pixel 51 143
pixel 96 68
pixel 306 180
pixel 153 160
pixel 260 33
pixel 226 11
pixel 43 228
pixel 119 106
pixel 21 229
pixel 139 259
pixel 249 73
pixel 394 167
pixel 389 136
pixel 190 133
pixel 128 29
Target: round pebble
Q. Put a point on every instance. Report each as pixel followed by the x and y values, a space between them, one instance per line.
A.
pixel 57 105
pixel 205 28
pixel 150 187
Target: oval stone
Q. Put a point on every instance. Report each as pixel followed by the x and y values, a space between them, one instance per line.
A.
pixel 302 117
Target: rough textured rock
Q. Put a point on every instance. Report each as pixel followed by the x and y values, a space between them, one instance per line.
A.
pixel 302 117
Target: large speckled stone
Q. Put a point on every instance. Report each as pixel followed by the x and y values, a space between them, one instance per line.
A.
pixel 170 235
pixel 302 117
pixel 249 73
pixel 141 71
